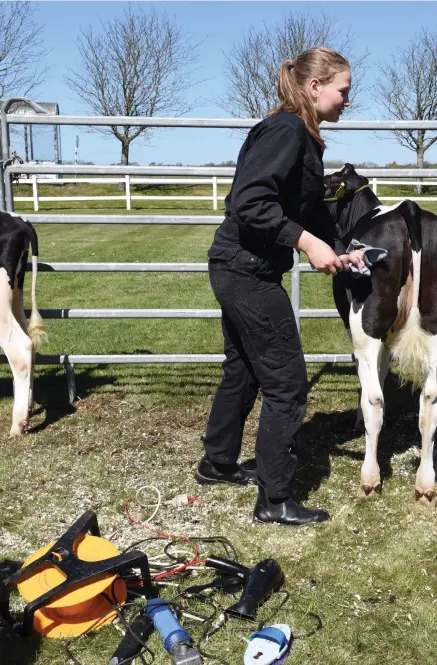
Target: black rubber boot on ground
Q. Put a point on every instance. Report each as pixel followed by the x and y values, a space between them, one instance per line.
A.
pixel 232 474
pixel 288 512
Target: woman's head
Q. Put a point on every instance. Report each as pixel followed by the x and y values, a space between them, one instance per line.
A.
pixel 315 86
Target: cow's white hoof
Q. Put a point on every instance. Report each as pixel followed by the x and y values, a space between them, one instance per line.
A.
pixel 425 497
pixel 18 429
pixel 369 492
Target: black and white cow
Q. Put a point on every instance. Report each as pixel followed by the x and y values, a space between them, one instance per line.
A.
pixel 18 338
pixel 393 313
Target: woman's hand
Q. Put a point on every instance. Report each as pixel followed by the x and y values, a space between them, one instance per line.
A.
pixel 354 258
pixel 320 254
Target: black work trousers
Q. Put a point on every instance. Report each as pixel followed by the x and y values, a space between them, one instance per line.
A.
pixel 263 350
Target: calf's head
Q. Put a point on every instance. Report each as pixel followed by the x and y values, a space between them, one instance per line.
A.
pixel 344 206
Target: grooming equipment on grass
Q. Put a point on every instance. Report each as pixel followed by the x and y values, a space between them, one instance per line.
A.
pixel 269 646
pixel 72 583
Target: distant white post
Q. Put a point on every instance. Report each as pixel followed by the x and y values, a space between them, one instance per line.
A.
pixel 375 186
pixel 214 193
pixel 35 192
pixel 127 188
pixel 76 150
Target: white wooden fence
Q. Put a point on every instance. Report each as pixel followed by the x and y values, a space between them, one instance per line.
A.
pixel 128 181
pixel 128 197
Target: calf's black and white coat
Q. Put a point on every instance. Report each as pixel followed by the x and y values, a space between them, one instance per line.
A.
pixel 393 313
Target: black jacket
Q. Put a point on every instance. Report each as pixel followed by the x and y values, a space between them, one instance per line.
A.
pixel 277 193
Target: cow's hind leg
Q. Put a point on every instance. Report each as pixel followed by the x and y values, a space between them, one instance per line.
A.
pixel 425 477
pixel 18 350
pixel 368 354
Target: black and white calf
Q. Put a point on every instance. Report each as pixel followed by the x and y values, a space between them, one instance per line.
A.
pixel 18 338
pixel 393 313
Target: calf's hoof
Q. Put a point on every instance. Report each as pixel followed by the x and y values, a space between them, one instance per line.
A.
pixel 369 492
pixel 18 429
pixel 425 497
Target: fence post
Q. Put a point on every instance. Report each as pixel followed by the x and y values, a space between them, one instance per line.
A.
pixel 2 173
pixel 375 186
pixel 295 288
pixel 6 149
pixel 127 188
pixel 35 192
pixel 214 193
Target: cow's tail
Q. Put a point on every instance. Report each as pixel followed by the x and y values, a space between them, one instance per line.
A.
pixel 36 329
pixel 410 346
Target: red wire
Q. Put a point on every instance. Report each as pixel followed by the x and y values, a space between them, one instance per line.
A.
pixel 179 569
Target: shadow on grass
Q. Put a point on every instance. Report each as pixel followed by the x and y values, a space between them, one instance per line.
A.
pixel 161 383
pixel 51 393
pixel 326 434
pixel 15 650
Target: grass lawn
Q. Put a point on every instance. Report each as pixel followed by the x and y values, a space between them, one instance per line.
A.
pixel 369 573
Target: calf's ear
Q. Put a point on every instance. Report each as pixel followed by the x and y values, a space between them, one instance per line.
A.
pixel 347 169
pixel 351 180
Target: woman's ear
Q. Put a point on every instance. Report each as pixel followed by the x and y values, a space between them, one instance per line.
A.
pixel 313 87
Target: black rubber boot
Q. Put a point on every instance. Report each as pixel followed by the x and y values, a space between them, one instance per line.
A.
pixel 232 474
pixel 288 512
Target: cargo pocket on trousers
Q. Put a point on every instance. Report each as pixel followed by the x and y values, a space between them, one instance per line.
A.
pixel 287 329
pixel 274 345
pixel 221 254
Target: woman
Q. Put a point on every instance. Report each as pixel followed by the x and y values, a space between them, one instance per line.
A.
pixel 275 205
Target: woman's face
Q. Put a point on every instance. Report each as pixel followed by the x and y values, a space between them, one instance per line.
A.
pixel 331 99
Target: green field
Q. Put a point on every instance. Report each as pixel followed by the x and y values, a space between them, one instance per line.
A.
pixel 369 574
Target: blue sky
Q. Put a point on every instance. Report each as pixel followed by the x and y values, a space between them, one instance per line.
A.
pixel 378 26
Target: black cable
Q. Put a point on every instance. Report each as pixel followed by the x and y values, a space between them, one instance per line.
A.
pixel 211 656
pixel 226 544
pixel 228 547
pixel 144 647
pixel 118 608
pixel 276 610
pixel 143 540
pixel 114 608
pixel 218 539
pixel 208 619
pixel 207 633
pixel 172 557
pixel 319 626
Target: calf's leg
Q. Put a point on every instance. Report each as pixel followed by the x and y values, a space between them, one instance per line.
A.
pixel 18 350
pixel 425 477
pixel 368 354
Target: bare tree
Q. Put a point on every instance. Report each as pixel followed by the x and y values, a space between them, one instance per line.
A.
pixel 22 51
pixel 136 65
pixel 407 90
pixel 254 63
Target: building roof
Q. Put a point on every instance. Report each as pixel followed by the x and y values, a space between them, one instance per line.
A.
pixel 22 108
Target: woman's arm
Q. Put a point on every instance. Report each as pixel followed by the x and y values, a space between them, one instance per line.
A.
pixel 321 256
